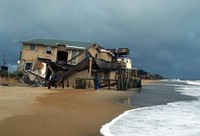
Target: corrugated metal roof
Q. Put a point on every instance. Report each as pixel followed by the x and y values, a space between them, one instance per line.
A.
pixel 55 42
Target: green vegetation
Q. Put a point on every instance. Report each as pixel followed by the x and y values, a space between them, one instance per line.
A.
pixel 147 75
pixel 9 74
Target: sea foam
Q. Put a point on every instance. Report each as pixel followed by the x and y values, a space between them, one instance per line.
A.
pixel 174 119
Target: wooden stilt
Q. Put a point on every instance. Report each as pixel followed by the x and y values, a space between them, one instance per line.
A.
pixel 108 84
pixel 63 85
pixel 49 84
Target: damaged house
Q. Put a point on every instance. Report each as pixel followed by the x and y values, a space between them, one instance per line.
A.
pixel 54 62
pixel 48 49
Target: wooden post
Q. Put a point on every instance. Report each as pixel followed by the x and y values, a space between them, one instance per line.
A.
pixel 90 70
pixel 49 84
pixel 108 84
pixel 63 86
pixel 136 73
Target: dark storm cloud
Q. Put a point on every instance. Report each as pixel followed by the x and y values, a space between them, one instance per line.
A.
pixel 163 36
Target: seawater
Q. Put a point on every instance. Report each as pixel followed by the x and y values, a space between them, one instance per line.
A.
pixel 173 119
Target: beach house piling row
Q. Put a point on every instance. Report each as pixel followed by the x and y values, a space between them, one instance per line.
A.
pixel 51 62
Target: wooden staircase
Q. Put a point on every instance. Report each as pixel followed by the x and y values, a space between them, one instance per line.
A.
pixel 76 64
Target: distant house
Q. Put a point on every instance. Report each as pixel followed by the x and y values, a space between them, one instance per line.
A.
pixel 122 55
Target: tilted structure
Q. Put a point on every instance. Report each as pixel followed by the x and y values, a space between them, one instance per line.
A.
pixel 70 63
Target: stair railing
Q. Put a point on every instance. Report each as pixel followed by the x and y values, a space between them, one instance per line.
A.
pixel 79 58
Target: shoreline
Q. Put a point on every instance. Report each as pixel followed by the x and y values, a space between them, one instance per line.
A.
pixel 66 112
pixel 146 82
pixel 79 112
pixel 167 99
pixel 155 93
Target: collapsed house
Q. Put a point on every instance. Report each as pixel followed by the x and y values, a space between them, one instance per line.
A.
pixel 50 62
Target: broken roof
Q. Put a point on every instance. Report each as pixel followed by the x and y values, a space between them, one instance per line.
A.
pixel 55 42
pixel 68 44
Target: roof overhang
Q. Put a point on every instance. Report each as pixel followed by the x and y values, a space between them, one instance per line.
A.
pixel 106 51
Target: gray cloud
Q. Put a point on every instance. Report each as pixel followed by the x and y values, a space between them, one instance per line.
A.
pixel 163 36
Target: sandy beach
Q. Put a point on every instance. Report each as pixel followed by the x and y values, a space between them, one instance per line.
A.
pixel 37 111
pixel 146 82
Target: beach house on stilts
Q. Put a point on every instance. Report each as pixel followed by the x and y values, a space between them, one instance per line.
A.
pixel 52 62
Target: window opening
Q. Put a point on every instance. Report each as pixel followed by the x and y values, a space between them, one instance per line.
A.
pixel 48 50
pixel 74 53
pixel 28 66
pixel 32 47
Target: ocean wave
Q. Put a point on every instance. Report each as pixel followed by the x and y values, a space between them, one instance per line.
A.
pixel 193 82
pixel 174 119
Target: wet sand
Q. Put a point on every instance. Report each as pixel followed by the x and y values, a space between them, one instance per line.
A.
pixel 155 93
pixel 58 112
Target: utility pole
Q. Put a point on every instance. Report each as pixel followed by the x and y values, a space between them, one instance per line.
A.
pixel 4 68
pixel 4 60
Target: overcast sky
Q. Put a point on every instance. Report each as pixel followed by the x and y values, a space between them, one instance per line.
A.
pixel 163 35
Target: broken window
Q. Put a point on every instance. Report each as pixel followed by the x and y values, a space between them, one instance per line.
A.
pixel 62 56
pixel 48 50
pixel 32 47
pixel 74 53
pixel 28 65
